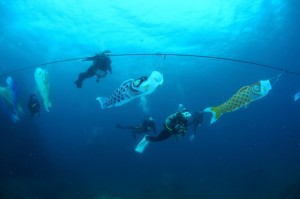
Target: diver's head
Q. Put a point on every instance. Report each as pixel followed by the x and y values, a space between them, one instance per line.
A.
pixel 106 52
pixel 186 115
pixel 181 108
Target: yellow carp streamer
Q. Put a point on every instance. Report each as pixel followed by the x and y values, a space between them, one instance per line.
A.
pixel 242 98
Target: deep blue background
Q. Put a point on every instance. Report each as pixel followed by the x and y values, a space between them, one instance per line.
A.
pixel 75 151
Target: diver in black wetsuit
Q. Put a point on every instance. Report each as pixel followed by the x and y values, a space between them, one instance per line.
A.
pixel 101 65
pixel 147 125
pixel 176 124
pixel 33 105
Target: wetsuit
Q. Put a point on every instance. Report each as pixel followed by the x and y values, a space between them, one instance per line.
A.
pixel 33 105
pixel 101 64
pixel 175 124
pixel 147 125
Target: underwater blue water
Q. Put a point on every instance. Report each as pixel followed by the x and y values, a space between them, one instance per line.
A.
pixel 76 151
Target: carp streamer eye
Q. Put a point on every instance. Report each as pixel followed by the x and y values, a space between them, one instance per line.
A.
pixel 136 82
pixel 256 89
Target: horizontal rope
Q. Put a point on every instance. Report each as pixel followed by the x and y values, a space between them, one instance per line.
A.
pixel 159 54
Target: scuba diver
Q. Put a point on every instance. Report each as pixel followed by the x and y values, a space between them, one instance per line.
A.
pixel 176 124
pixel 147 126
pixel 195 120
pixel 101 65
pixel 33 105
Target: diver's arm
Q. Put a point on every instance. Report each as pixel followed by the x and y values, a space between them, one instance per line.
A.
pixel 170 122
pixel 125 127
pixel 89 58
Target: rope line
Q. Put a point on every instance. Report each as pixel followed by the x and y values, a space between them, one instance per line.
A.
pixel 37 65
pixel 165 55
pixel 213 57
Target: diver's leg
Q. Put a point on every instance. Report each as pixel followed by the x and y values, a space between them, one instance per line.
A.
pixel 102 75
pixel 81 77
pixel 165 134
pixel 125 127
pixel 87 74
pixel 138 130
pixel 78 82
pixel 90 72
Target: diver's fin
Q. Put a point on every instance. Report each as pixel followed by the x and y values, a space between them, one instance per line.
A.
pixel 216 113
pixel 142 145
pixel 103 102
pixel 297 96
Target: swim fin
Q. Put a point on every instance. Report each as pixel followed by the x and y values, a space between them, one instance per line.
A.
pixel 142 145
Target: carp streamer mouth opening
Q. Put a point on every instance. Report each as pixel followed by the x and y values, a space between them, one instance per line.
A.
pixel 164 57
